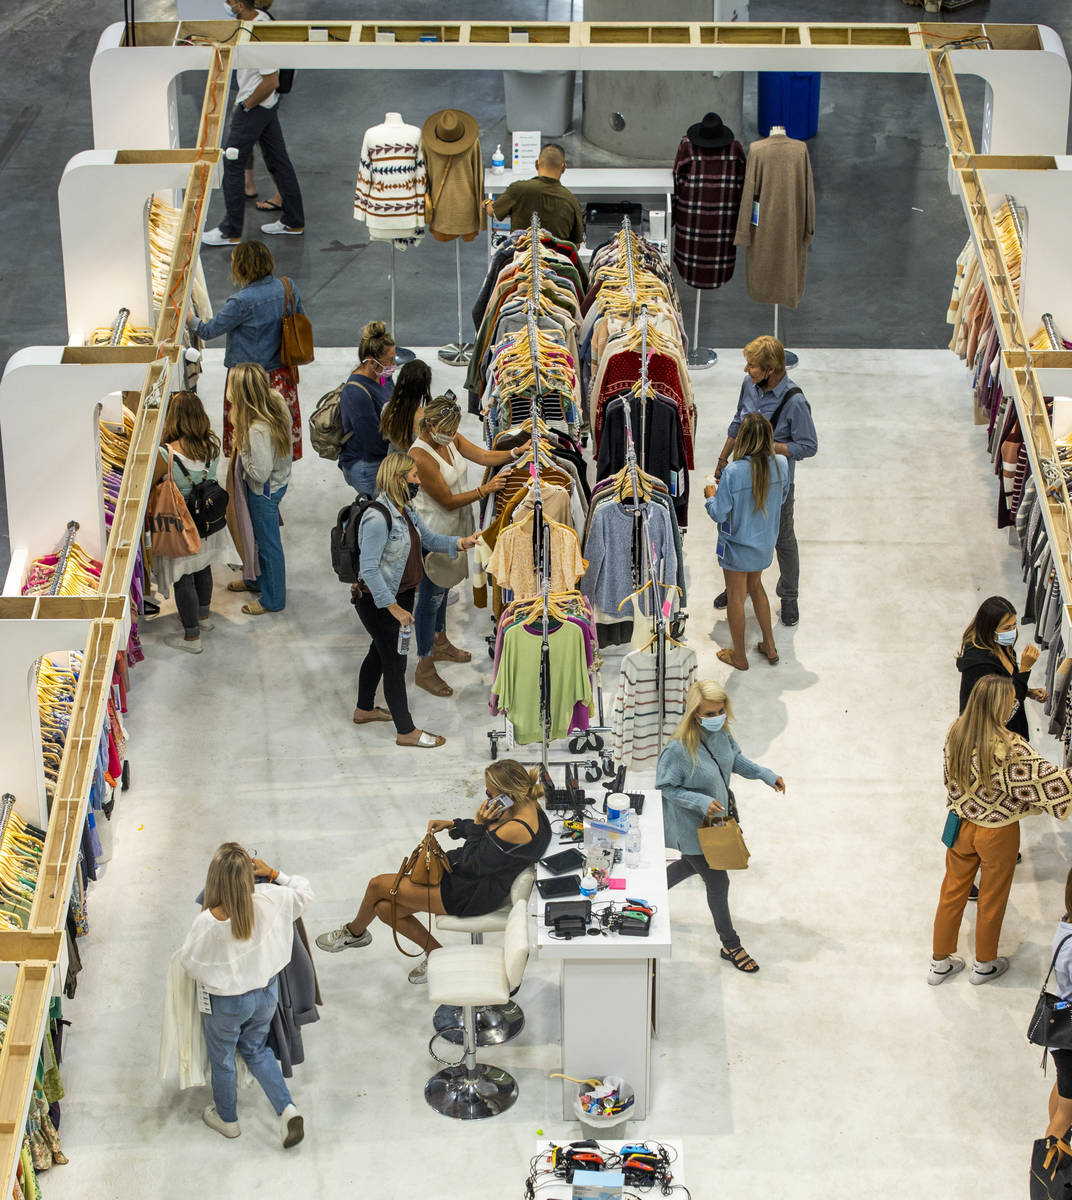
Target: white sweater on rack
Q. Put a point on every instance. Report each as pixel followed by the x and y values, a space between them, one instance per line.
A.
pixel 389 196
pixel 635 716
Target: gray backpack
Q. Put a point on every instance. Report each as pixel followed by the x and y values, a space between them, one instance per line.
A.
pixel 325 425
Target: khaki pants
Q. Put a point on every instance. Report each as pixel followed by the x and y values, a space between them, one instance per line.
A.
pixel 994 850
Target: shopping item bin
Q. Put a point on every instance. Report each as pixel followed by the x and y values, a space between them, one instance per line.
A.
pixel 540 100
pixel 789 99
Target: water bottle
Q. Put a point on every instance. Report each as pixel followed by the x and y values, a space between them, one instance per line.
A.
pixel 632 849
pixel 404 634
pixel 498 161
pixel 589 887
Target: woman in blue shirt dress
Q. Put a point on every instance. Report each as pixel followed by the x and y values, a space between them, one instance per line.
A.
pixel 747 506
pixel 694 775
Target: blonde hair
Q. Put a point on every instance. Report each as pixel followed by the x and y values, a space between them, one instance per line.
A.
pixel 755 441
pixel 442 415
pixel 251 261
pixel 521 784
pixel 688 729
pixel 980 733
pixel 229 885
pixel 253 399
pixel 765 352
pixel 391 479
pixel 374 341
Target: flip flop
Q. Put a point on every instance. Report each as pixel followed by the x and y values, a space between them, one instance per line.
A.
pixel 268 206
pixel 427 741
pixel 255 609
pixel 726 656
pixel 239 585
pixel 773 661
pixel 378 714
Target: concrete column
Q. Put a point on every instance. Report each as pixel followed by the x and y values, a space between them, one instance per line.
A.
pixel 642 114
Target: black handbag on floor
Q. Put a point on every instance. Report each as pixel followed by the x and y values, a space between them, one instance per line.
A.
pixel 1051 1022
pixel 207 503
pixel 1051 1170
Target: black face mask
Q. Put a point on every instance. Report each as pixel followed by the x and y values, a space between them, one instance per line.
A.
pixel 414 488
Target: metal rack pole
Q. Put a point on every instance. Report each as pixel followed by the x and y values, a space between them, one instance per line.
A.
pixel 402 355
pixel 119 327
pixel 1050 325
pixel 700 357
pixel 791 359
pixel 457 354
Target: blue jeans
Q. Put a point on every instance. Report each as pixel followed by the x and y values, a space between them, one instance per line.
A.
pixel 361 476
pixel 241 1023
pixel 430 615
pixel 264 516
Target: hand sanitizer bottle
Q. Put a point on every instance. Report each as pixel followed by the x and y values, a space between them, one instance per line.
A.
pixel 498 162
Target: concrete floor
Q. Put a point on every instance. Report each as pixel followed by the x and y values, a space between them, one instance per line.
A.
pixel 837 1053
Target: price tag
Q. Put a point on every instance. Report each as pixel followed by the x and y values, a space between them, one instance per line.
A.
pixel 755 214
pixel 526 149
pixel 511 742
pixel 204 1000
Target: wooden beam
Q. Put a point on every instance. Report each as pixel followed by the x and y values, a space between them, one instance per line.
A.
pixel 18 1057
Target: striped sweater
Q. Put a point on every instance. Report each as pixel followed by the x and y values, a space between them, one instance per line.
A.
pixel 389 194
pixel 635 716
pixel 1024 785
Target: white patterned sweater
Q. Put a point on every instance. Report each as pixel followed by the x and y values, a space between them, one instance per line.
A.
pixel 389 195
pixel 635 716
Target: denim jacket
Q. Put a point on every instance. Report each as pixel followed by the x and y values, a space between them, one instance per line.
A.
pixel 384 555
pixel 253 322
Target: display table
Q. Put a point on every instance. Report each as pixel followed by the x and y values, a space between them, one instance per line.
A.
pixel 594 182
pixel 610 983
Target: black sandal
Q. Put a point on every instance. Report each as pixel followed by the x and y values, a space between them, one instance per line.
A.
pixel 741 959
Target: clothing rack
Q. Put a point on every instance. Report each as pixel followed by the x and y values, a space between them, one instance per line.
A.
pixel 627 229
pixel 1050 325
pixel 119 327
pixel 7 804
pixel 1017 219
pixel 64 555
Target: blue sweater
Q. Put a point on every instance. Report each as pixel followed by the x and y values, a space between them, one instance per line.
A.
pixel 360 404
pixel 689 789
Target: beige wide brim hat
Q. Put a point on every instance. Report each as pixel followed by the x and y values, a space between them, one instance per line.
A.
pixel 449 131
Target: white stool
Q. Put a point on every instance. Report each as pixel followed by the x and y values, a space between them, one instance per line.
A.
pixel 469 976
pixel 495 1023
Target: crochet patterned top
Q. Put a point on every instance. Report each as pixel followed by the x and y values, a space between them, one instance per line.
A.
pixel 1024 785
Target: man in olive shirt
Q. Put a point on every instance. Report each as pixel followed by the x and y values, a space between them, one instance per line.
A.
pixel 557 207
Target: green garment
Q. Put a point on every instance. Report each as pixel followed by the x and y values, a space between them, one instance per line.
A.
pixel 557 207
pixel 517 682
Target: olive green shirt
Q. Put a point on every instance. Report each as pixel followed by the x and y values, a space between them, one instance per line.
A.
pixel 556 206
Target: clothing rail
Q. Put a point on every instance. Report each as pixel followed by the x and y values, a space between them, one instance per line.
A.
pixel 1050 326
pixel 1017 220
pixel 541 545
pixel 7 803
pixel 64 555
pixel 119 327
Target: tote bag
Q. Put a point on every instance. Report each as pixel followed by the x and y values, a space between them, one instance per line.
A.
pixel 721 841
pixel 168 519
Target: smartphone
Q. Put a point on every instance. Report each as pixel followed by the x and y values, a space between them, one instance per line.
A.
pixel 560 885
pixel 566 860
pixel 497 805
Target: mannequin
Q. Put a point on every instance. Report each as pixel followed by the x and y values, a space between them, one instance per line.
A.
pixel 389 194
pixel 709 173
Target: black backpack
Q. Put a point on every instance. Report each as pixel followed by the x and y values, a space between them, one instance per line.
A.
pixel 345 551
pixel 207 503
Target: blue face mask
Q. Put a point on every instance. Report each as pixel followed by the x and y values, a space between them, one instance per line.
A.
pixel 713 724
pixel 1007 637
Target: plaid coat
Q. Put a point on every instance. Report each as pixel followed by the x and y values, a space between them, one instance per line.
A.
pixel 707 195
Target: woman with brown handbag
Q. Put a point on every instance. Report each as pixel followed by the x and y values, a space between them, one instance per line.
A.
pixel 694 772
pixel 509 833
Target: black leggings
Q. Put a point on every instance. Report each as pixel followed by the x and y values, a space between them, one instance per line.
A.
pixel 718 889
pixel 193 595
pixel 383 660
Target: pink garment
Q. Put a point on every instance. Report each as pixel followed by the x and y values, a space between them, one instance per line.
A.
pixel 250 560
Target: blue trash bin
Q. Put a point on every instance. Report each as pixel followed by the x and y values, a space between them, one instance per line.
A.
pixel 790 99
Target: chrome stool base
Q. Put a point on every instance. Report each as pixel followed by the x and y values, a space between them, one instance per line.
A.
pixel 471 1094
pixel 495 1023
pixel 456 354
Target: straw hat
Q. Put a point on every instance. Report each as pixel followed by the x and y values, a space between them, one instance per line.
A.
pixel 449 131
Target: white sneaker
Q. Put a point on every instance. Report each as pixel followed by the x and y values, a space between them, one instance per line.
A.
pixel 279 227
pixel 419 974
pixel 178 642
pixel 291 1126
pixel 206 624
pixel 213 1120
pixel 342 939
pixel 984 972
pixel 943 969
pixel 213 237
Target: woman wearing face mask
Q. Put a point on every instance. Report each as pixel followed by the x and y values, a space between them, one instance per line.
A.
pixel 509 833
pixel 993 780
pixel 390 539
pixel 361 405
pixel 987 648
pixel 694 774
pixel 446 503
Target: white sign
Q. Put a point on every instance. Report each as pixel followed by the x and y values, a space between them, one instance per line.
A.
pixel 526 149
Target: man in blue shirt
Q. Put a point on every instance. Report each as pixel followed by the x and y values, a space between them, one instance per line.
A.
pixel 769 390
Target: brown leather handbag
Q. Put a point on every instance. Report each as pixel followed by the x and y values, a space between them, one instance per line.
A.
pixel 425 867
pixel 296 341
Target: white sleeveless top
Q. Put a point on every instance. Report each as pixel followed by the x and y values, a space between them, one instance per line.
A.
pixel 459 522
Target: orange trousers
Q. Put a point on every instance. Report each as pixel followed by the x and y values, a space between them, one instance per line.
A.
pixel 991 850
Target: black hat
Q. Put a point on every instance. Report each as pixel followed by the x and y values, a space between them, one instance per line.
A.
pixel 710 133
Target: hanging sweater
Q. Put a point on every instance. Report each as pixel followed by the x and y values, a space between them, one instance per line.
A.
pixel 635 716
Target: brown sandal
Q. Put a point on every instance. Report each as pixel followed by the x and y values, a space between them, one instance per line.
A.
pixel 255 609
pixel 771 658
pixel 430 679
pixel 239 585
pixel 444 651
pixel 726 656
pixel 377 714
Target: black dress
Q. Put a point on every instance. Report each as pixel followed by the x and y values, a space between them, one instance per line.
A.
pixel 974 664
pixel 485 866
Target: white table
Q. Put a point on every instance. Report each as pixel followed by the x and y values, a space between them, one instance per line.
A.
pixel 675 1146
pixel 593 182
pixel 610 984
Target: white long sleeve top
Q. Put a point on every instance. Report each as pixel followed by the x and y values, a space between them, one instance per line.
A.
pixel 226 966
